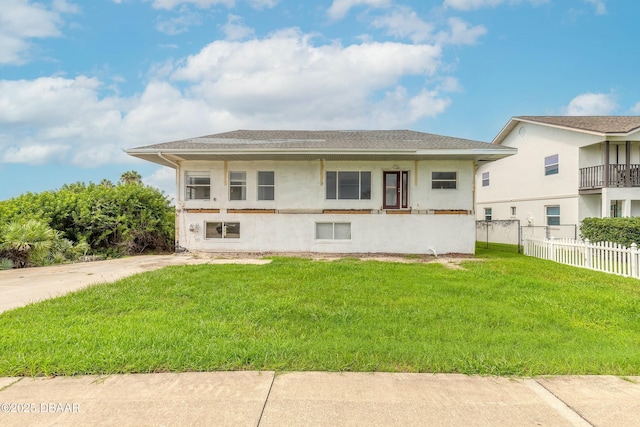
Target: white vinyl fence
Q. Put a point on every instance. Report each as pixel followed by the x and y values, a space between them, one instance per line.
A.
pixel 602 256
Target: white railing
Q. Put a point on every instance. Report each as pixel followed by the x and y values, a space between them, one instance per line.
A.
pixel 602 256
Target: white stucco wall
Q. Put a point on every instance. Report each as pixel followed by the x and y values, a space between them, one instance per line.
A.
pixel 300 188
pixel 519 181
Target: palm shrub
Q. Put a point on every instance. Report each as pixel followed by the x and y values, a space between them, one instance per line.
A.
pixel 26 241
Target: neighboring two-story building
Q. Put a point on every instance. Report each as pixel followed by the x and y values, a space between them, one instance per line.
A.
pixel 395 191
pixel 567 168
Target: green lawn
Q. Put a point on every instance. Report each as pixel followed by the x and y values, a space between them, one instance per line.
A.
pixel 506 315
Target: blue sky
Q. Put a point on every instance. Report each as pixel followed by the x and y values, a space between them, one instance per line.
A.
pixel 80 81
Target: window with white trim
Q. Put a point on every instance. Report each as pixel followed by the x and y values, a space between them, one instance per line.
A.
pixel 348 185
pixel 237 186
pixel 198 186
pixel 553 215
pixel 266 185
pixel 222 230
pixel 333 231
pixel 444 180
pixel 485 179
pixel 487 214
pixel 551 165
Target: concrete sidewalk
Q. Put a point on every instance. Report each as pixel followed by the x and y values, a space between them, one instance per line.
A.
pixel 318 399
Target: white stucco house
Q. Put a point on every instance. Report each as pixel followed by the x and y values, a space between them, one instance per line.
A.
pixel 566 169
pixel 395 191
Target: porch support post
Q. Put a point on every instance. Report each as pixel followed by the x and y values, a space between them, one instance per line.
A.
pixel 605 172
pixel 627 165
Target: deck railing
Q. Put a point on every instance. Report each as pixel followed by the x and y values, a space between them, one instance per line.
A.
pixel 619 176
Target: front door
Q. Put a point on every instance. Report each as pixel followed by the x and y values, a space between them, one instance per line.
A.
pixel 395 190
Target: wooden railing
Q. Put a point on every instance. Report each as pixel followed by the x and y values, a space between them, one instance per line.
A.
pixel 618 176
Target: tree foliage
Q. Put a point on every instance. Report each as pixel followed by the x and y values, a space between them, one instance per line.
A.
pixel 624 231
pixel 126 218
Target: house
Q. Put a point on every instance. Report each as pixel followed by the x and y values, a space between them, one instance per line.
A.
pixel 566 169
pixel 395 191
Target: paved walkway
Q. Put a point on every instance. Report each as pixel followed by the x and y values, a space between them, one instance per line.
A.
pixel 318 399
pixel 290 399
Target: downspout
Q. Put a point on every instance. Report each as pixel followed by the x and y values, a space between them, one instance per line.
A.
pixel 177 226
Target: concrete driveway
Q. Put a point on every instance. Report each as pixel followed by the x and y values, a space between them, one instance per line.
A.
pixel 23 286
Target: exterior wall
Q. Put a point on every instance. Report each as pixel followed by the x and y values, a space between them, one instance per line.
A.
pixel 370 233
pixel 519 181
pixel 300 199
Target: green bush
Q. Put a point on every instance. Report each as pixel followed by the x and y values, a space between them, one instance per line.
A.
pixel 624 231
pixel 104 218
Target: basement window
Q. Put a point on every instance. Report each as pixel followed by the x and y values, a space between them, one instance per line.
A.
pixel 333 231
pixel 222 230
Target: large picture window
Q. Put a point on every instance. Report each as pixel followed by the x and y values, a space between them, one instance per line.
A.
pixel 348 185
pixel 198 186
pixel 266 185
pixel 237 186
pixel 444 180
pixel 222 230
pixel 333 231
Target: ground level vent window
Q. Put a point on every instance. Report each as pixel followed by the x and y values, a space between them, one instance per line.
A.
pixel 333 231
pixel 222 230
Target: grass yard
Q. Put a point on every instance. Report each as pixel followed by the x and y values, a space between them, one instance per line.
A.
pixel 507 315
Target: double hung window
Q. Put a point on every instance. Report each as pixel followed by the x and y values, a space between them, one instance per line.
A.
pixel 198 186
pixel 266 185
pixel 237 186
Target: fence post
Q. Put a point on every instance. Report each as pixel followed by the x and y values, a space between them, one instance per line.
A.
pixel 634 260
pixel 552 249
pixel 587 253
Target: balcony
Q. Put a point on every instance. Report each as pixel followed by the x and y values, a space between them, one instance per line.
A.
pixel 597 177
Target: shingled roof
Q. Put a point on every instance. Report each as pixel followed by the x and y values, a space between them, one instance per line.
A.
pixel 319 144
pixel 600 124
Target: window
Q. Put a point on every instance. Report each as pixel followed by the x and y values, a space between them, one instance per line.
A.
pixel 222 230
pixel 266 185
pixel 348 185
pixel 444 180
pixel 616 209
pixel 485 179
pixel 237 186
pixel 513 211
pixel 551 165
pixel 333 231
pixel 198 186
pixel 553 215
pixel 487 214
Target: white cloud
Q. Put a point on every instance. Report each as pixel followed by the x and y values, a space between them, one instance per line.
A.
pixel 404 22
pixel 479 4
pixel 461 33
pixel 179 24
pixel 340 8
pixel 600 5
pixel 281 81
pixel 234 29
pixel 592 104
pixel 34 154
pixel 636 108
pixel 163 179
pixel 22 21
pixel 203 4
pixel 286 79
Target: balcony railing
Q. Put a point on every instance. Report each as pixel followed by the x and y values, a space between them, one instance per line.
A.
pixel 618 176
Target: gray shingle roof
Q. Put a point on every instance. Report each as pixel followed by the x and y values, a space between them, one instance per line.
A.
pixel 600 124
pixel 323 140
